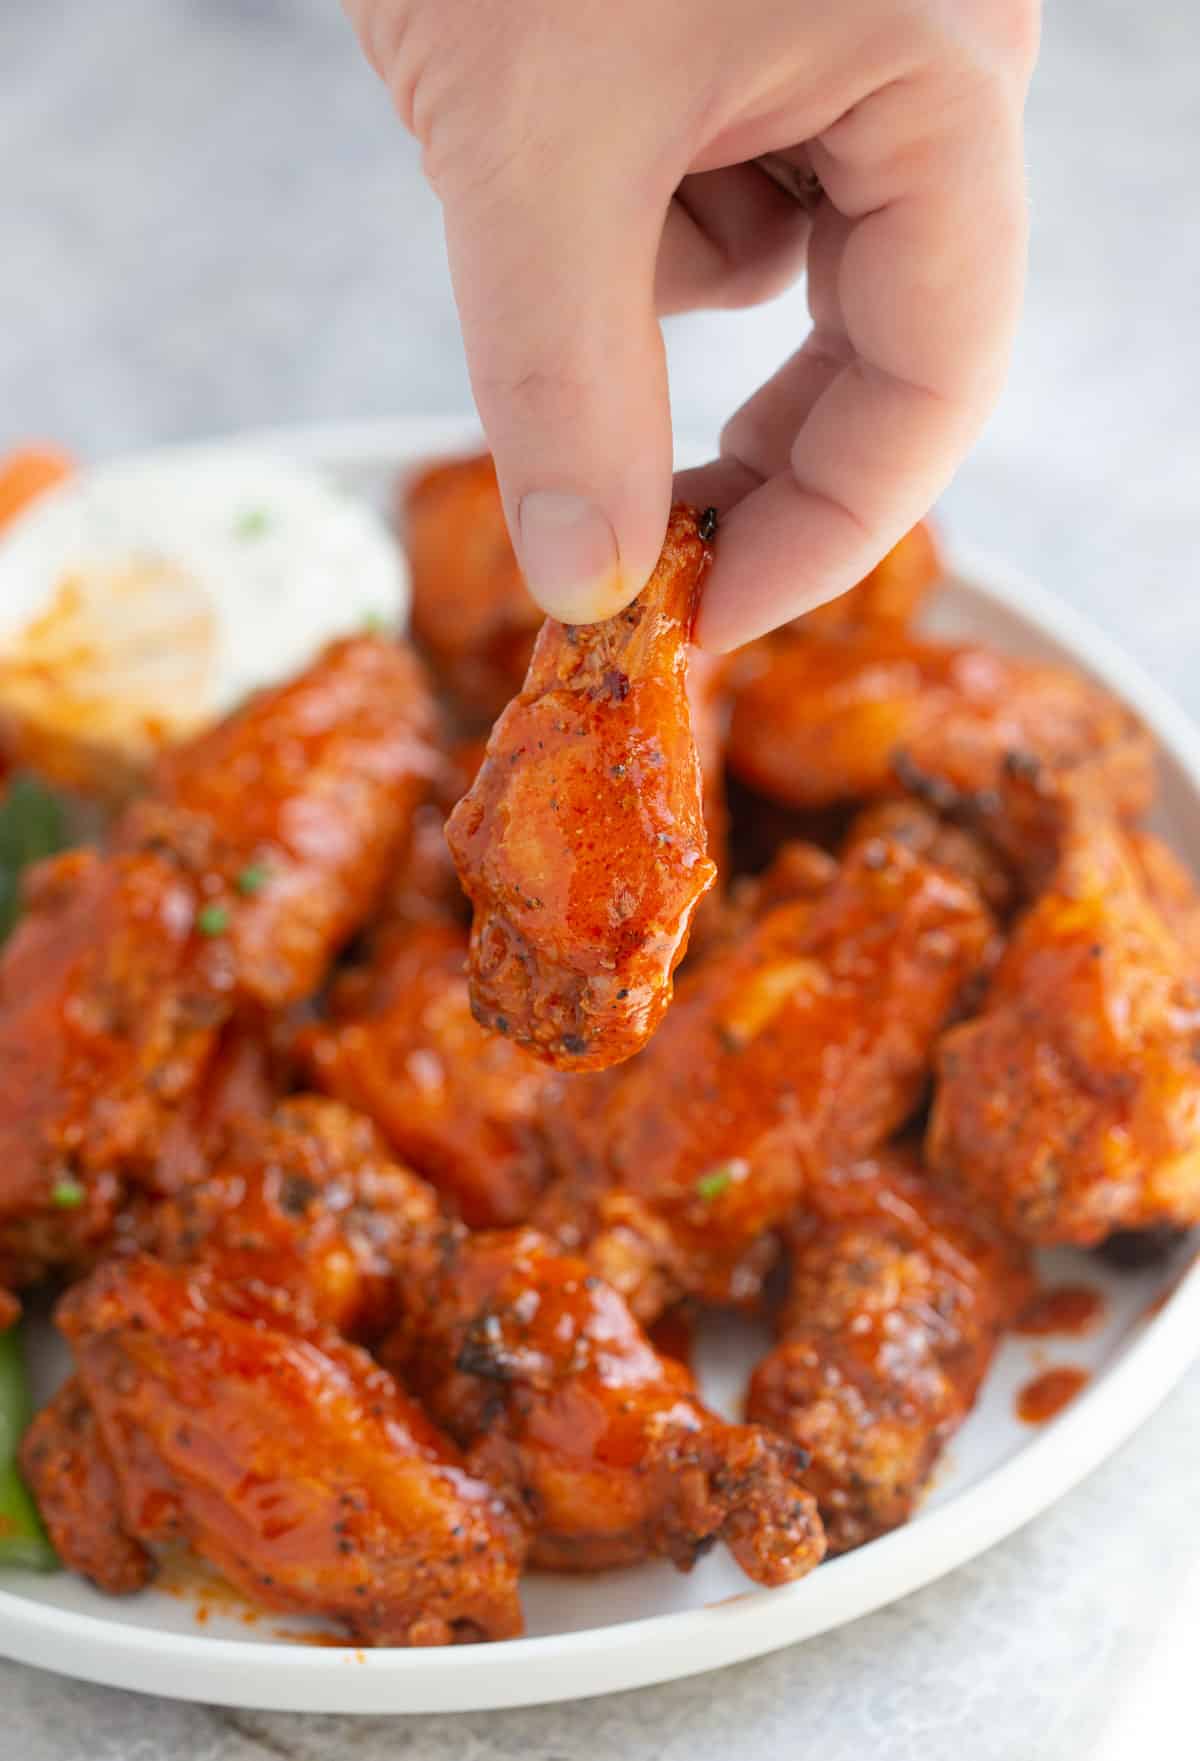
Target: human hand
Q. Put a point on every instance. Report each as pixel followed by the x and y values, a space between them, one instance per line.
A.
pixel 597 166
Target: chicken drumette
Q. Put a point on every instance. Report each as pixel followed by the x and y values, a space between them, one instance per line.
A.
pixel 538 1370
pixel 1071 1103
pixel 807 1042
pixel 581 843
pixel 829 721
pixel 898 1297
pixel 459 1104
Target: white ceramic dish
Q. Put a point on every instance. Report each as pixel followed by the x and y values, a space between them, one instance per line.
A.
pixel 629 1629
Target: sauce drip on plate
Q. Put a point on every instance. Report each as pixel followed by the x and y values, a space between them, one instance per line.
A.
pixel 1046 1396
pixel 1074 1309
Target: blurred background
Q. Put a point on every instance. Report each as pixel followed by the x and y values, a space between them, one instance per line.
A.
pixel 210 220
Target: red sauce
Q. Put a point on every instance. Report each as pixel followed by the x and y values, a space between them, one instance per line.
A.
pixel 674 1335
pixel 1045 1397
pixel 1074 1309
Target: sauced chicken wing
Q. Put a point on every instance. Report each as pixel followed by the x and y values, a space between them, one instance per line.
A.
pixel 309 1204
pixel 956 847
pixel 1071 1103
pixel 291 813
pixel 110 1007
pixel 539 1371
pixel 897 1300
pixel 806 1043
pixel 244 1079
pixel 886 599
pixel 472 613
pixel 67 1468
pixel 287 1459
pixel 581 843
pixel 265 847
pixel 840 720
pixel 459 1104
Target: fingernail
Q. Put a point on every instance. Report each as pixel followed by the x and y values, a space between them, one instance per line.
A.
pixel 569 557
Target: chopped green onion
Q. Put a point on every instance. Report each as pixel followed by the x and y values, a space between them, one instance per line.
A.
pixel 252 879
pixel 375 624
pixel 67 1194
pixel 252 523
pixel 716 1181
pixel 213 920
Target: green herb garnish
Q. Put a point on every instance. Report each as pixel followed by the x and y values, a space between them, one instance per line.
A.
pixel 252 523
pixel 67 1194
pixel 33 825
pixel 213 920
pixel 252 879
pixel 717 1180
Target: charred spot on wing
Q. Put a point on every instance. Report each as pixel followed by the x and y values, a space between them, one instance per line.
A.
pixel 706 525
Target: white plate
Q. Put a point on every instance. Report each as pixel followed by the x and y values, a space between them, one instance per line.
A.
pixel 628 1629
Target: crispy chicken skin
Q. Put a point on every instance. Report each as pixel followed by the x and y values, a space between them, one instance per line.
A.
pixel 886 599
pixel 581 843
pixel 246 1077
pixel 110 1007
pixel 806 1043
pixel 472 613
pixel 291 813
pixel 67 1468
pixel 459 1104
pixel 540 1373
pixel 308 1203
pixel 287 1459
pixel 827 721
pixel 897 1300
pixel 1071 1103
pixel 956 847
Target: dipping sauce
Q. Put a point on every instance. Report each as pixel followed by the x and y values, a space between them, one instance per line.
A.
pixel 1046 1396
pixel 1074 1309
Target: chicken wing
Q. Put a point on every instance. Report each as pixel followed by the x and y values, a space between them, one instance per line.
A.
pixel 1071 1103
pixel 472 613
pixel 67 1468
pixel 830 721
pixel 287 1459
pixel 307 1203
pixel 110 1010
pixel 459 1104
pixel 581 843
pixel 807 1043
pixel 540 1373
pixel 897 1300
pixel 291 813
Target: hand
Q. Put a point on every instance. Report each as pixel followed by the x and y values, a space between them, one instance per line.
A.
pixel 597 166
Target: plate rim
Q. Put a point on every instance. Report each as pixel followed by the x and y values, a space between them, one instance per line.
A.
pixel 661 1647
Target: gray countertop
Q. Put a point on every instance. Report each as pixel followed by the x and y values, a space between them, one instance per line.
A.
pixel 208 221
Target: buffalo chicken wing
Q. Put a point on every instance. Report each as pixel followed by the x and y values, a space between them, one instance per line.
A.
pixel 1071 1103
pixel 538 1370
pixel 807 1042
pixel 581 842
pixel 284 1457
pixel 897 1299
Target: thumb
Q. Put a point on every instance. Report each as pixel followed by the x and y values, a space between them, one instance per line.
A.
pixel 554 280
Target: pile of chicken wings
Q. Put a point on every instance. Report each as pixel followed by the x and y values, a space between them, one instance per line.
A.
pixel 373 1140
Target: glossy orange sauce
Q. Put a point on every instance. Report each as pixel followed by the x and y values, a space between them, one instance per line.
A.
pixel 1074 1309
pixel 1046 1396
